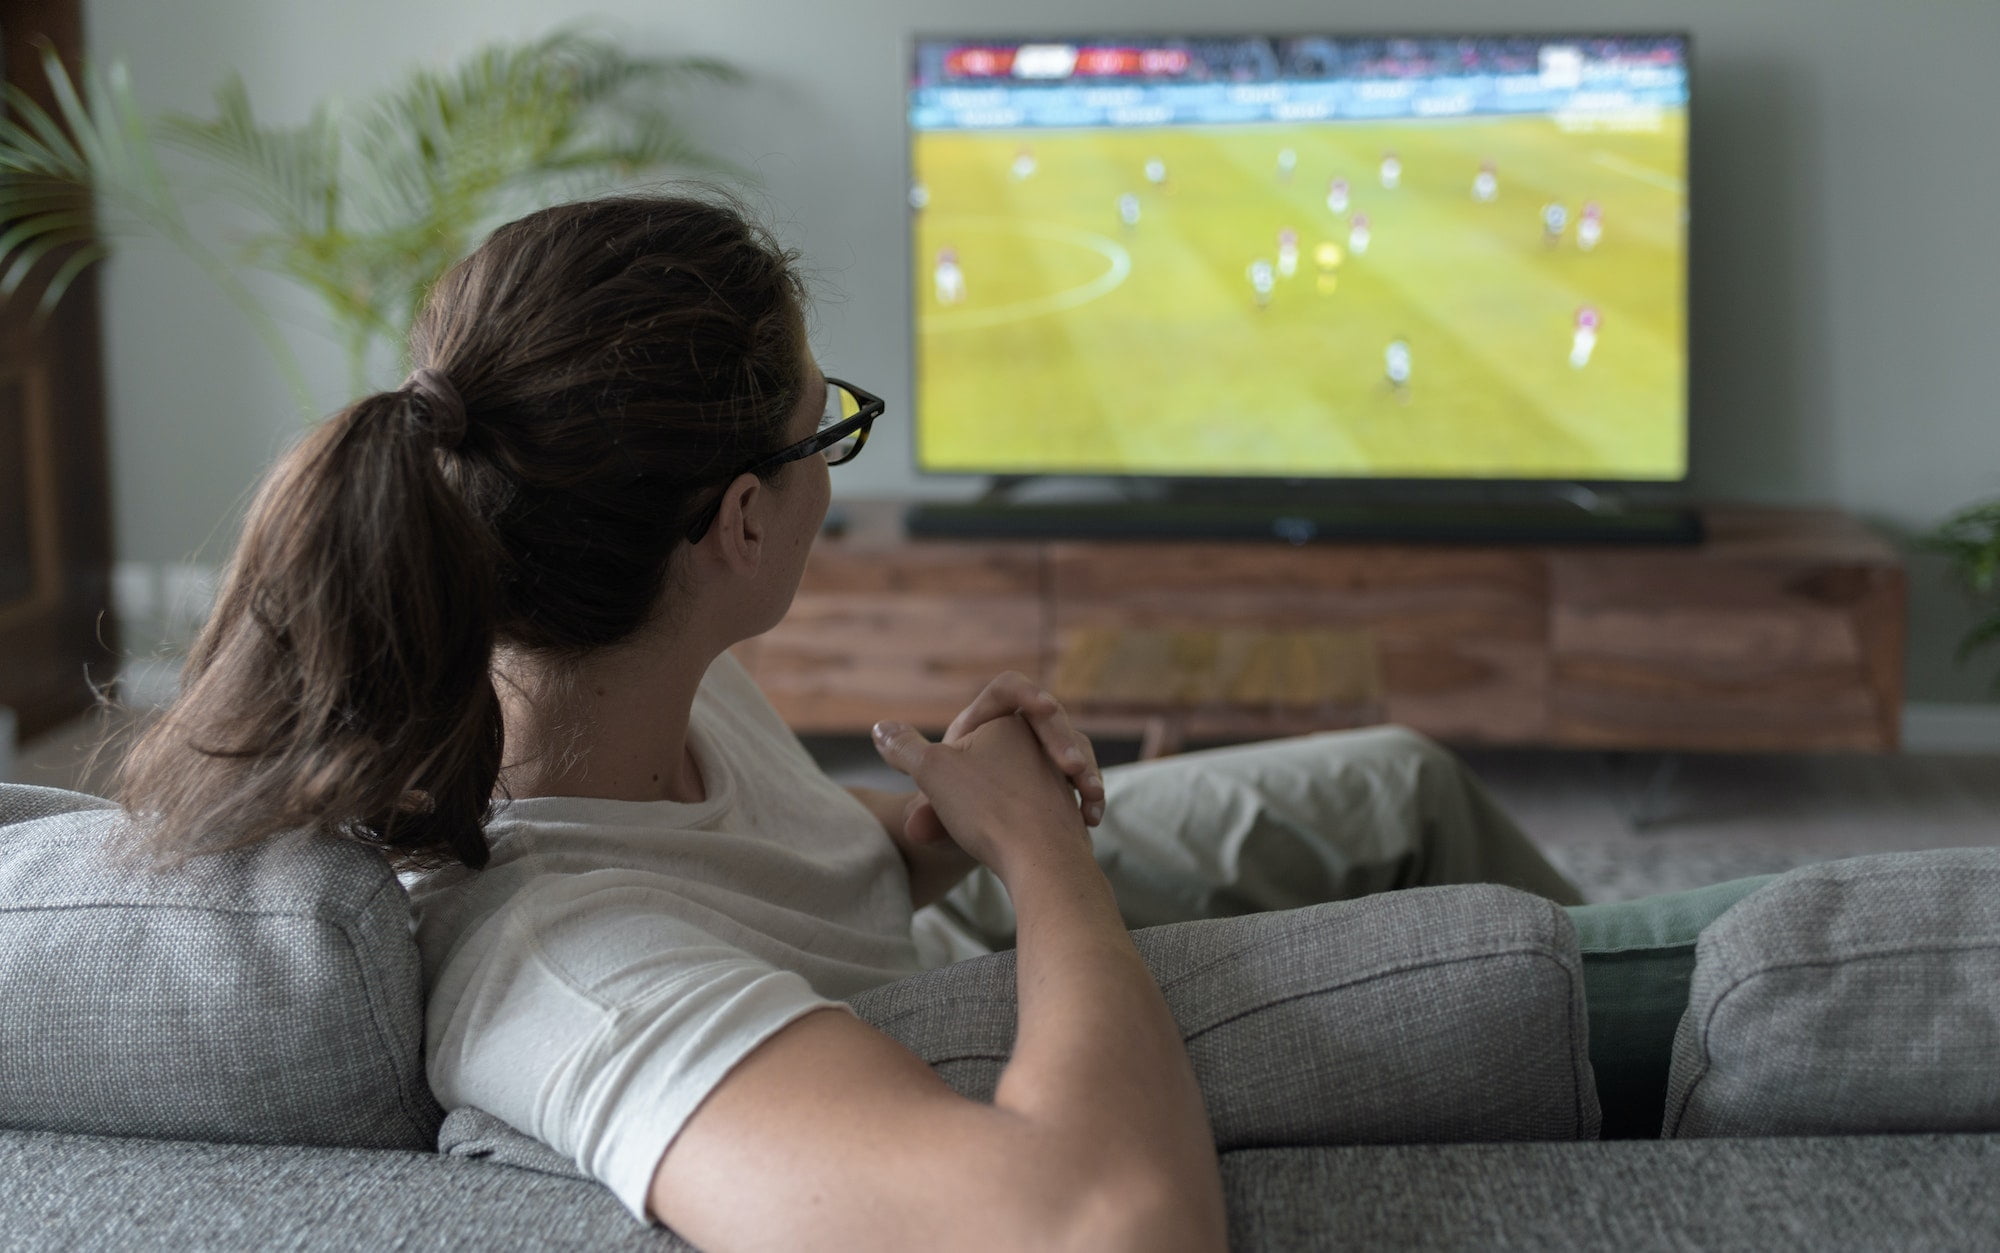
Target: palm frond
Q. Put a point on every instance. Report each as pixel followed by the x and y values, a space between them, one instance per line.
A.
pixel 1985 635
pixel 291 176
pixel 36 143
pixel 32 240
pixel 363 209
pixel 1970 540
pixel 449 154
pixel 79 259
pixel 51 229
pixel 57 172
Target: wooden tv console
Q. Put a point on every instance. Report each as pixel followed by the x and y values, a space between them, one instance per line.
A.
pixel 1783 632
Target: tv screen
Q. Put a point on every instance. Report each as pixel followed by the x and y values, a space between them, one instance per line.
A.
pixel 1306 257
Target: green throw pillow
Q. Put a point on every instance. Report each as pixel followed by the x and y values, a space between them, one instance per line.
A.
pixel 1638 957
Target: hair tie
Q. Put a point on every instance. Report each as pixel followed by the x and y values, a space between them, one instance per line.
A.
pixel 441 402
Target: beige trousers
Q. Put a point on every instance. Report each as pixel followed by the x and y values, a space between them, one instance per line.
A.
pixel 1274 825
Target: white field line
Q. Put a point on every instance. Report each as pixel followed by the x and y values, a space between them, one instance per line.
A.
pixel 1644 173
pixel 1116 272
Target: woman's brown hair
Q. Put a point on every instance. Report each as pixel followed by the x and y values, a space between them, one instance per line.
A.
pixel 600 369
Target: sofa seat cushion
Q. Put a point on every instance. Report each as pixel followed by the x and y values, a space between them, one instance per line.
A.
pixel 1835 1192
pixel 1853 1192
pixel 268 995
pixel 1850 997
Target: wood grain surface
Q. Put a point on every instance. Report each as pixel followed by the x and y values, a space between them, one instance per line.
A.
pixel 1784 632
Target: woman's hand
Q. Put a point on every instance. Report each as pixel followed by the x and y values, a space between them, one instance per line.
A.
pixel 1067 747
pixel 934 863
pixel 994 789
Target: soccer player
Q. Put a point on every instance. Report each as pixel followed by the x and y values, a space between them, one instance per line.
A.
pixel 1392 171
pixel 1486 183
pixel 1554 219
pixel 1288 252
pixel 1288 160
pixel 1024 162
pixel 1128 210
pixel 1583 340
pixel 1262 280
pixel 1590 226
pixel 1358 234
pixel 1396 368
pixel 1156 172
pixel 1336 196
pixel 948 278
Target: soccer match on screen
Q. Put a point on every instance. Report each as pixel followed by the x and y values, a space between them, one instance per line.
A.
pixel 1408 258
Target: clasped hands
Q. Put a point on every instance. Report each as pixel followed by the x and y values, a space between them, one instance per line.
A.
pixel 935 862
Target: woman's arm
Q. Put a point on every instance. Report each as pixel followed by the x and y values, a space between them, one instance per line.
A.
pixel 1081 986
pixel 831 1135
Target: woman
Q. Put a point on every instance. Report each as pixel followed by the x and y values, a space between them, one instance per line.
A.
pixel 483 621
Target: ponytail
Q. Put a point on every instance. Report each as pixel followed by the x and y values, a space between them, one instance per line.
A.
pixel 342 684
pixel 618 355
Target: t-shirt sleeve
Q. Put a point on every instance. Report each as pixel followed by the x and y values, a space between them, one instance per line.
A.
pixel 595 1012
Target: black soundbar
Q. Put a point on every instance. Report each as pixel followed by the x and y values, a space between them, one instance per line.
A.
pixel 1306 523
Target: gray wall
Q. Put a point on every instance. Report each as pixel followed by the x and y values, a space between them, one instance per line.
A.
pixel 1846 193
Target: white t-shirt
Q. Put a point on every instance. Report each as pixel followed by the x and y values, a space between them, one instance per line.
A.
pixel 615 959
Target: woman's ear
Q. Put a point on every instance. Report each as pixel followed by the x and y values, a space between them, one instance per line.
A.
pixel 740 525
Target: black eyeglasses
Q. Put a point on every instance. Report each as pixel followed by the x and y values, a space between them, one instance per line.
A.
pixel 843 431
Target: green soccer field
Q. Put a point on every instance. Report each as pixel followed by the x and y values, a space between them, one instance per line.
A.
pixel 1082 344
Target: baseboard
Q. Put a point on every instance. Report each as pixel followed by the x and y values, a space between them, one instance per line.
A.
pixel 1940 728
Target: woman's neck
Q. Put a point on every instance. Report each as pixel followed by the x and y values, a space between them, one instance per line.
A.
pixel 614 726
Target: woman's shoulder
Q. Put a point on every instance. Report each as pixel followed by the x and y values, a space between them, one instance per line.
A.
pixel 558 908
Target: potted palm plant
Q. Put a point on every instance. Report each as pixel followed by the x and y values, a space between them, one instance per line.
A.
pixel 1970 538
pixel 363 207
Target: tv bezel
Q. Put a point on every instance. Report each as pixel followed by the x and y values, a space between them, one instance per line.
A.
pixel 1421 484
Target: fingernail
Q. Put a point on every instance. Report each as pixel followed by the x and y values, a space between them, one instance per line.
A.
pixel 887 730
pixel 1093 780
pixel 1074 757
pixel 1093 813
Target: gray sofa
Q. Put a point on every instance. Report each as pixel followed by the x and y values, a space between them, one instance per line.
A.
pixel 229 1056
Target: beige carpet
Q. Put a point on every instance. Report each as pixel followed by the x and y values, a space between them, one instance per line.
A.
pixel 1722 817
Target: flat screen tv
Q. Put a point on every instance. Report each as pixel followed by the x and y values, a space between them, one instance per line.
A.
pixel 1301 257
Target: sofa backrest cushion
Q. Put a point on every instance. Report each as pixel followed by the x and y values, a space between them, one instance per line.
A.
pixel 270 995
pixel 1858 996
pixel 1431 1015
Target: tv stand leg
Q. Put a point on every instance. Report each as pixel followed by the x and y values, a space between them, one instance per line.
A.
pixel 1648 808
